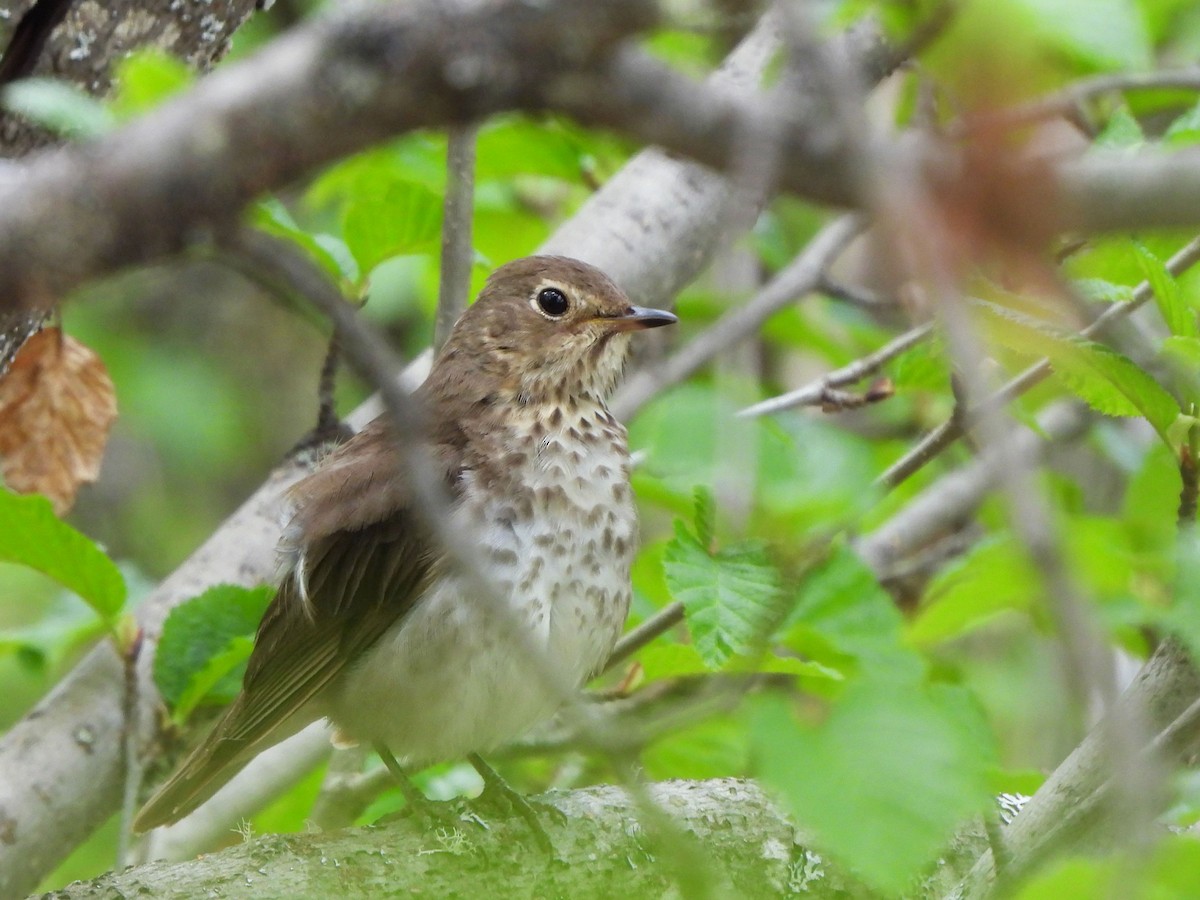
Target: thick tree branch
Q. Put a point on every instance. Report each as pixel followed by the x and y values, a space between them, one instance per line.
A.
pixel 753 849
pixel 324 90
pixel 342 83
pixel 83 41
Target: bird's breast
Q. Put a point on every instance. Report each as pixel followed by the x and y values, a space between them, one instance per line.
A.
pixel 560 540
pixel 547 512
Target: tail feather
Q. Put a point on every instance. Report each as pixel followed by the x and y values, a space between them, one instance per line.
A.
pixel 209 767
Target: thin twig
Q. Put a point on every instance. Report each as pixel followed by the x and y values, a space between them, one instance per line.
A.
pixel 818 391
pixel 948 432
pixel 800 277
pixel 130 749
pixel 1065 101
pixel 854 295
pixel 633 641
pixel 457 248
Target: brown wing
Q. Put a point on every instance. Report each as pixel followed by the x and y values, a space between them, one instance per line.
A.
pixel 358 582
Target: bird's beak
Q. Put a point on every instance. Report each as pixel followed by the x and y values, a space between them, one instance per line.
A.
pixel 637 317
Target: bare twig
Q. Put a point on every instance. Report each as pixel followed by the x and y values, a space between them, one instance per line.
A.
pixel 457 247
pixel 854 295
pixel 800 277
pixel 819 391
pixel 948 432
pixel 633 641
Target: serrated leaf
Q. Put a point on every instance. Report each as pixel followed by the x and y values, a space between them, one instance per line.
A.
pixel 1107 381
pixel 198 653
pixel 57 404
pixel 729 597
pixel 883 780
pixel 58 106
pixel 1180 318
pixel 31 535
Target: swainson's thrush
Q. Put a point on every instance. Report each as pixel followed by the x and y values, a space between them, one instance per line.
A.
pixel 373 626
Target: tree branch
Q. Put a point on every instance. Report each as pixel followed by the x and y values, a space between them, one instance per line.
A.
pixel 753 849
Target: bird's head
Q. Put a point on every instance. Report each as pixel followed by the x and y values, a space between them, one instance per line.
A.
pixel 545 329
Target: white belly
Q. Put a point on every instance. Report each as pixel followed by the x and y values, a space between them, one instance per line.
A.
pixel 459 674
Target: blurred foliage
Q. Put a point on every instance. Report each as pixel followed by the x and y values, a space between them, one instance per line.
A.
pixel 894 714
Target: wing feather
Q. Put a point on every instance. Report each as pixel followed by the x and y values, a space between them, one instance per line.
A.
pixel 359 584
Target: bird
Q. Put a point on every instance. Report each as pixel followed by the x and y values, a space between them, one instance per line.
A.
pixel 374 626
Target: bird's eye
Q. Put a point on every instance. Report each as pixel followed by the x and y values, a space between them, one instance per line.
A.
pixel 552 302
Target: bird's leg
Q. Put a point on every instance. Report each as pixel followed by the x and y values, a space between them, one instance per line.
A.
pixel 435 814
pixel 498 792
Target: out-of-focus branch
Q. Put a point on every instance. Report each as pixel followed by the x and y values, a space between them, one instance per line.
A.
pixel 1164 693
pixel 457 250
pixel 148 189
pixel 325 89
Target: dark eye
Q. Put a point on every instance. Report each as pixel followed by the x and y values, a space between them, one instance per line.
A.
pixel 552 301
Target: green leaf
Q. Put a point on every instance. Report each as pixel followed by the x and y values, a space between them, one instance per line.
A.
pixel 844 619
pixel 329 252
pixel 387 217
pixel 1184 350
pixel 683 660
pixel 730 597
pixel 994 576
pixel 146 78
pixel 1120 132
pixel 705 518
pixel 1103 291
pixel 922 367
pixel 212 679
pixel 883 779
pixel 32 535
pixel 672 661
pixel 1108 34
pixel 1180 318
pixel 1185 130
pixel 203 644
pixel 58 106
pixel 1107 381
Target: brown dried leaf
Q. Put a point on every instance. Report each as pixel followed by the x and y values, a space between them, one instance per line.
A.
pixel 56 406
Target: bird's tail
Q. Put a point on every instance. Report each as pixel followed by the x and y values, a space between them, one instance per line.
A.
pixel 209 767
